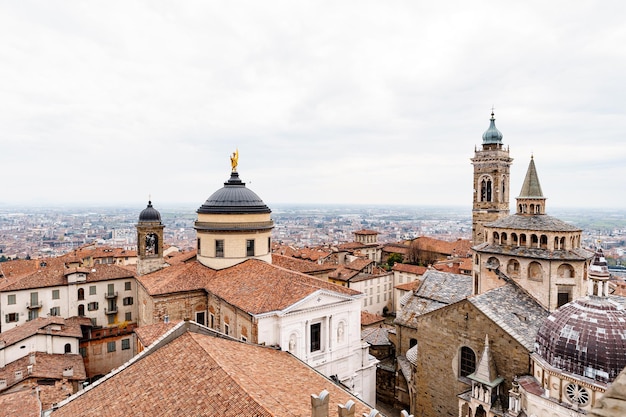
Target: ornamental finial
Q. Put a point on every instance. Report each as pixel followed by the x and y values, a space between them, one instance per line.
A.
pixel 234 160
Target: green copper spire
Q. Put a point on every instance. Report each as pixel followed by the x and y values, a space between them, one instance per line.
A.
pixel 492 135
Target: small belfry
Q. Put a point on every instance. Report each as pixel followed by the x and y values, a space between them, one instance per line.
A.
pixel 149 240
pixel 491 181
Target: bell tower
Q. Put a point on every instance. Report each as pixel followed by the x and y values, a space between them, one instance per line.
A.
pixel 491 181
pixel 149 241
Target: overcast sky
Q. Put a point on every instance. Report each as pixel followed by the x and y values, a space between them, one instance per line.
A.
pixel 109 102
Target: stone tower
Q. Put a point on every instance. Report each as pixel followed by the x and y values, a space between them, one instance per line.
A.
pixel 491 181
pixel 149 241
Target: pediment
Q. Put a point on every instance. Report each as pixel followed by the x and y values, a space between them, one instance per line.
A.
pixel 316 300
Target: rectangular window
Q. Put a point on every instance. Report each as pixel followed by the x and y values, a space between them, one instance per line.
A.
pixel 316 337
pixel 111 347
pixel 34 298
pixel 269 245
pixel 127 301
pixel 55 311
pixel 12 317
pixel 211 321
pixel 92 306
pixel 219 248
pixel 226 329
pixel 125 344
pixel 56 294
pixel 94 321
pixel 250 247
pixel 127 286
pixel 199 252
pixel 82 351
pixel 111 319
pixel 128 316
pixel 200 317
pixel 11 299
pixel 111 289
pixel 33 314
pixel 92 290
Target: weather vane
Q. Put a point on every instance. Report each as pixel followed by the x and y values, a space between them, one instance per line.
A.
pixel 234 160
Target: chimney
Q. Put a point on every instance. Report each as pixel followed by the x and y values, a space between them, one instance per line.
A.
pixel 319 404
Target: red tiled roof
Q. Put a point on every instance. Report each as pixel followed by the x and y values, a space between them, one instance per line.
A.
pixel 366 232
pixel 254 286
pixel 51 272
pixel 45 366
pixel 42 325
pixel 148 334
pixel 197 374
pixel 460 247
pixel 409 286
pixel 23 403
pixel 359 264
pixel 299 265
pixel 408 268
pixel 367 319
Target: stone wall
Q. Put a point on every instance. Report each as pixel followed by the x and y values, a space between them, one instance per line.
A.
pixel 441 335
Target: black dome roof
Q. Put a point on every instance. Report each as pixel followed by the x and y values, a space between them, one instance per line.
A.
pixel 234 198
pixel 149 214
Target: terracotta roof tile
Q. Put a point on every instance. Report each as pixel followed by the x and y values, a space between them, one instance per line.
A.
pixel 22 403
pixel 254 286
pixel 412 269
pixel 50 272
pixel 150 333
pixel 197 374
pixel 299 265
pixel 57 326
pixel 367 319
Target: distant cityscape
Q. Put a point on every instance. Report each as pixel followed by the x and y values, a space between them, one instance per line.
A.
pixel 48 232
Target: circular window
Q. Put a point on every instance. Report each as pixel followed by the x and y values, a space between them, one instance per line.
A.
pixel 577 394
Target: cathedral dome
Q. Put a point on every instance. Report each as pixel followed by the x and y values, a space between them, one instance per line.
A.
pixel 149 214
pixel 492 135
pixel 234 198
pixel 587 337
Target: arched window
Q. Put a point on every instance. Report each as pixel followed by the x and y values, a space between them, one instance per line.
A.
pixel 514 240
pixel 81 293
pixel 81 310
pixel 504 239
pixel 543 242
pixel 534 241
pixel 522 239
pixel 512 268
pixel 565 271
pixel 496 238
pixel 68 348
pixel 562 245
pixel 486 190
pixel 535 271
pixel 489 189
pixel 467 361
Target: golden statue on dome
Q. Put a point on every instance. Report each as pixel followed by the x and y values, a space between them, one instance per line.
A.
pixel 234 160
